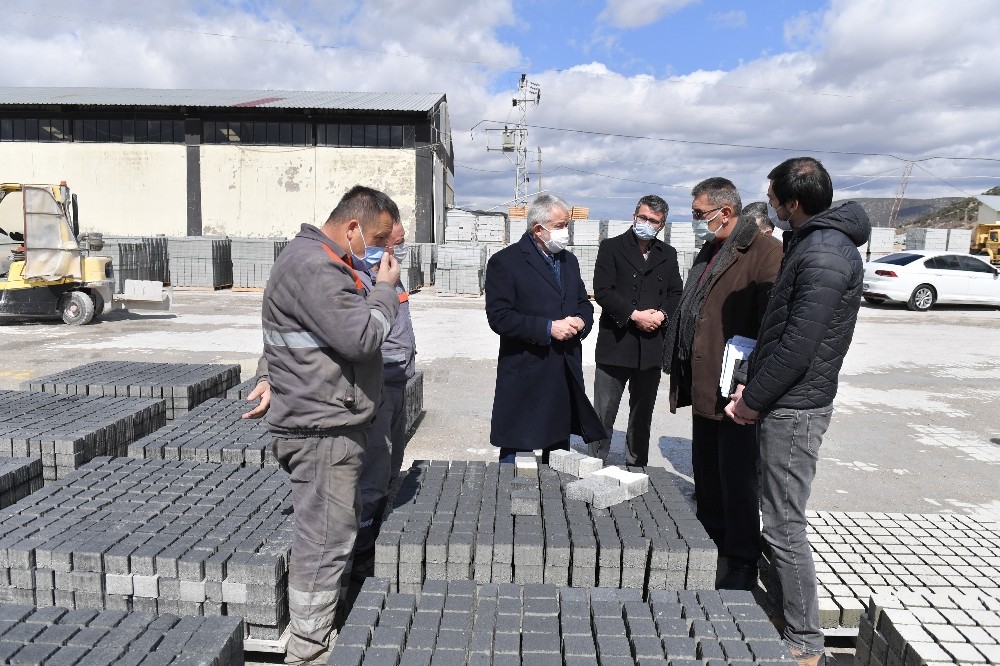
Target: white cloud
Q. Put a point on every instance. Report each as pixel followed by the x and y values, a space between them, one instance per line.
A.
pixel 637 13
pixel 735 18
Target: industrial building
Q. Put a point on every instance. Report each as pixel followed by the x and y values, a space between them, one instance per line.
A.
pixel 246 163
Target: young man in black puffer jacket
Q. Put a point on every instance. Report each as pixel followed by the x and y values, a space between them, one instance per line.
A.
pixel 792 379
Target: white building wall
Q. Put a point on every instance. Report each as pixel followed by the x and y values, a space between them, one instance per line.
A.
pixel 123 189
pixel 270 191
pixel 255 191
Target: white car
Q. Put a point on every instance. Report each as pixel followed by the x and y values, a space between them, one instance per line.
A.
pixel 921 278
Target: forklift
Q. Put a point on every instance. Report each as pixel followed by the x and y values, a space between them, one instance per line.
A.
pixel 52 273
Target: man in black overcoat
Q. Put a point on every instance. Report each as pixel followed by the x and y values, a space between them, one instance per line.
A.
pixel 538 305
pixel 637 283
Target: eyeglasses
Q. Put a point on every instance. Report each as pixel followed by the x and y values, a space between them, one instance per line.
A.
pixel 648 220
pixel 700 214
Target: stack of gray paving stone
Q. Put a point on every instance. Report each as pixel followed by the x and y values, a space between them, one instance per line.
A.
pixel 181 385
pixel 926 239
pixel 681 237
pixel 863 554
pixel 242 390
pixel 214 431
pixel 66 431
pixel 459 226
pixel 454 521
pixel 516 226
pixel 427 256
pixel 409 273
pixel 154 536
pixel 491 229
pixel 881 241
pixel 460 269
pixel 585 233
pixel 63 637
pixel 959 240
pixel 459 622
pixel 612 228
pixel 252 260
pixel 201 261
pixel 137 258
pixel 413 401
pixel 586 255
pixel 924 627
pixel 19 477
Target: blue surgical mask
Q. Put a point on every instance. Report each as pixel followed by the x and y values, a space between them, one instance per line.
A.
pixel 701 230
pixel 645 231
pixel 400 252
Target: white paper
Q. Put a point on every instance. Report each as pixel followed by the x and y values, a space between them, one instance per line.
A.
pixel 738 348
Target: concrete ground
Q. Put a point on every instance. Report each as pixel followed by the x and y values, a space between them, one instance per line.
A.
pixel 916 427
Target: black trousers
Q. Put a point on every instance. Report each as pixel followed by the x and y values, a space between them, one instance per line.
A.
pixel 609 384
pixel 724 456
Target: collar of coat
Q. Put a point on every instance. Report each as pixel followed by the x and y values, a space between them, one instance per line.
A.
pixel 633 253
pixel 532 255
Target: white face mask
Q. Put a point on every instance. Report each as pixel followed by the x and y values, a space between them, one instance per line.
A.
pixel 701 230
pixel 558 239
pixel 401 252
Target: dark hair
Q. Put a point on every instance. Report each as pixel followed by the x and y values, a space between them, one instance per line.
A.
pixel 653 203
pixel 720 192
pixel 365 205
pixel 802 179
pixel 757 211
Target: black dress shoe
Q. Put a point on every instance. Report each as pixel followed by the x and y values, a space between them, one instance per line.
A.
pixel 738 576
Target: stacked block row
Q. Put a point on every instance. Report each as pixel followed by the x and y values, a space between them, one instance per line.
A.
pixel 66 431
pixel 242 390
pixel 138 258
pixel 181 385
pixel 926 627
pixel 585 233
pixel 199 261
pixel 454 522
pixel 882 240
pixel 413 401
pixel 19 477
pixel 154 536
pixel 459 622
pixel 587 257
pixel 252 260
pixel 214 431
pixel 860 554
pixel 65 637
pixel 410 269
pixel 927 239
pixel 460 269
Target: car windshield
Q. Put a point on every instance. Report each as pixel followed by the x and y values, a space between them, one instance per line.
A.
pixel 898 259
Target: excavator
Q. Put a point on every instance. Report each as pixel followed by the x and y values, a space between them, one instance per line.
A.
pixel 54 272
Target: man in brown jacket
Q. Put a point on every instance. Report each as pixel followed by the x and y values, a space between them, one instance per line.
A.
pixel 726 294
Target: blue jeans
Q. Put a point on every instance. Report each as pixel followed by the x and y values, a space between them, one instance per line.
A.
pixel 789 441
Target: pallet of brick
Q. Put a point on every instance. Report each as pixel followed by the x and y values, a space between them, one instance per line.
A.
pixel 460 269
pixel 860 554
pixel 959 240
pixel 66 431
pixel 181 385
pixel 63 636
pixel 927 239
pixel 410 270
pixel 612 228
pixel 460 622
pixel 427 258
pixel 516 226
pixel 585 233
pixel 681 237
pixel 201 261
pixel 413 401
pixel 586 255
pixel 453 521
pixel 881 240
pixel 459 226
pixel 924 627
pixel 214 431
pixel 242 390
pixel 137 258
pixel 19 477
pixel 491 229
pixel 252 260
pixel 154 536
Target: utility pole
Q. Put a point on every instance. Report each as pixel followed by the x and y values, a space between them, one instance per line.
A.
pixel 898 201
pixel 515 139
pixel 539 169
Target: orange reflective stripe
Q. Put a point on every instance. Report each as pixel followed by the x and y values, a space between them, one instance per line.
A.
pixel 403 297
pixel 349 263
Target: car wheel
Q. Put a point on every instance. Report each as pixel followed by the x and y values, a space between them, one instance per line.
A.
pixel 874 300
pixel 78 309
pixel 922 299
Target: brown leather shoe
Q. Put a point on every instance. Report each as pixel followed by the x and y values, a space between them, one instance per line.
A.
pixel 806 659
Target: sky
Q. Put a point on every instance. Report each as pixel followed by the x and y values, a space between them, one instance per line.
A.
pixel 637 96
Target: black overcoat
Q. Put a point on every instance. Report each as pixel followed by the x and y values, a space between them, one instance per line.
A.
pixel 540 397
pixel 624 281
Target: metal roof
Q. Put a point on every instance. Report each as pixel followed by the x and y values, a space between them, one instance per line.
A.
pixel 991 200
pixel 282 99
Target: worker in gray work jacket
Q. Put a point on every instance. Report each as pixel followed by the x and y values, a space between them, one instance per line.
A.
pixel 322 342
